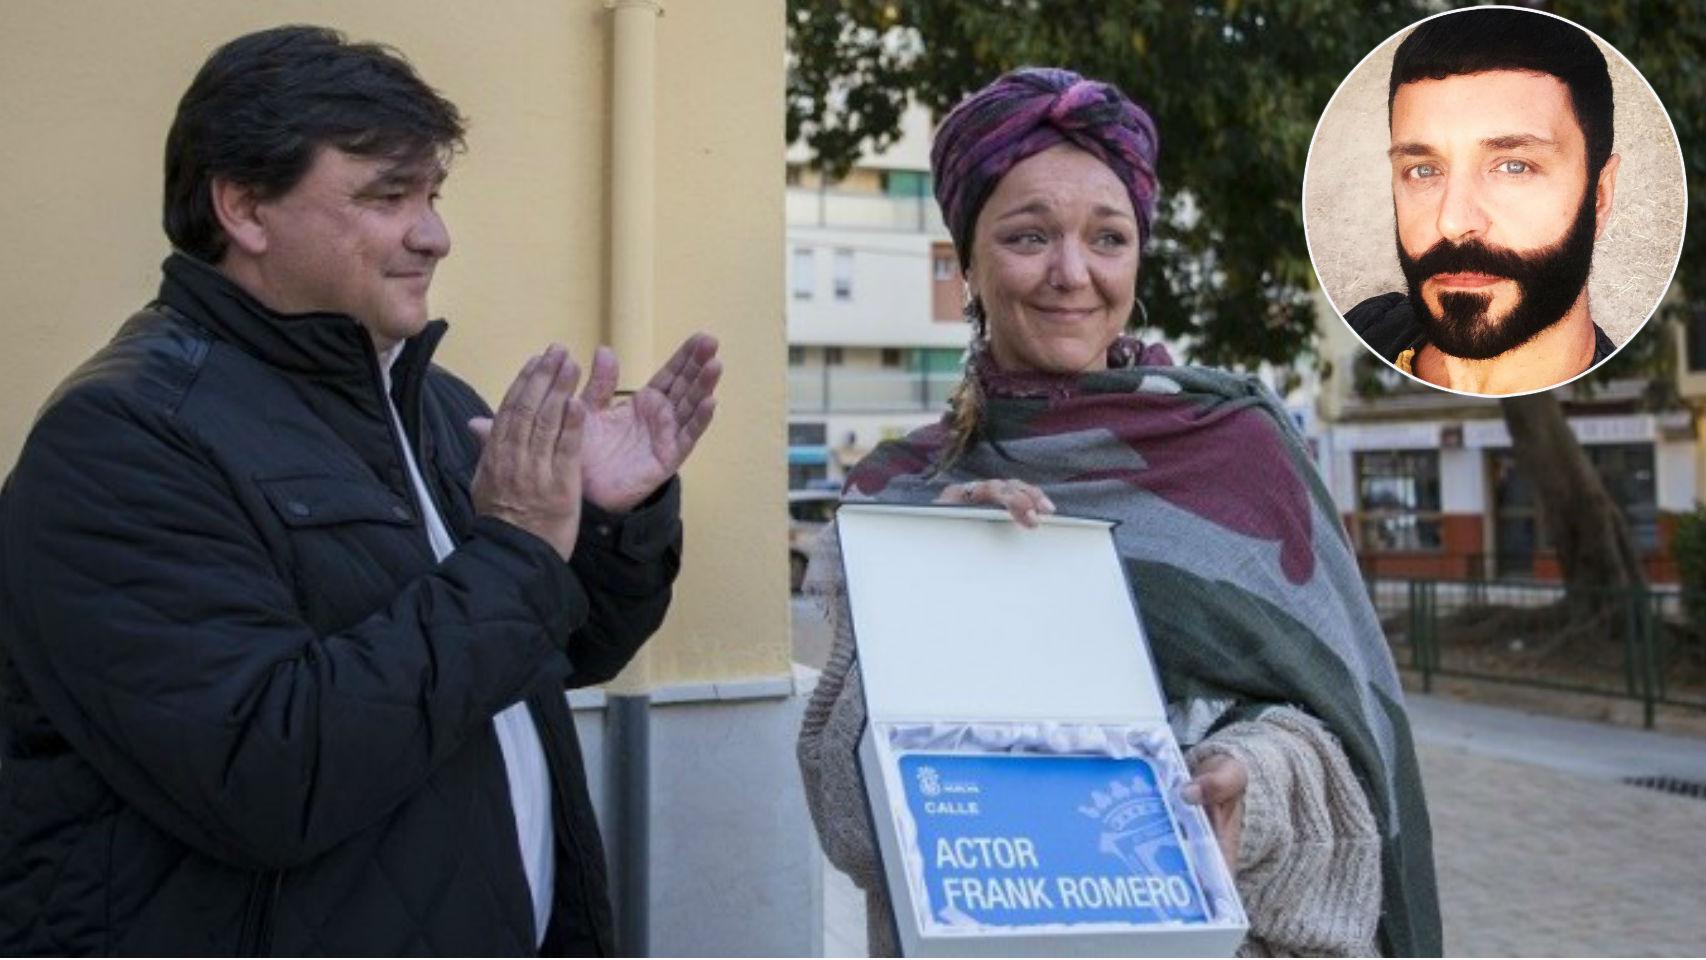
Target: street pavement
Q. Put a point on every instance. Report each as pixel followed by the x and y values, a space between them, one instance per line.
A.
pixel 1539 847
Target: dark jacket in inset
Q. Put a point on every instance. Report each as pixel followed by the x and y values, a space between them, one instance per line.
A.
pixel 1388 324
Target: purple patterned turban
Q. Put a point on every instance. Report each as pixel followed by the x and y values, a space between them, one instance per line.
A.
pixel 1026 112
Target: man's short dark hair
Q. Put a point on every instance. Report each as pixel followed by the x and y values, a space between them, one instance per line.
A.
pixel 1478 40
pixel 263 104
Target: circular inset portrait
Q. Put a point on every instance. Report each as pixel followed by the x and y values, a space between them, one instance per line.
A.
pixel 1494 201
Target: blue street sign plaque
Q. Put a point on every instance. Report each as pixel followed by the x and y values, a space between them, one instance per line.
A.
pixel 1021 840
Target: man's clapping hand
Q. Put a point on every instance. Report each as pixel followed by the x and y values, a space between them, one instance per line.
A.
pixel 530 471
pixel 546 448
pixel 635 444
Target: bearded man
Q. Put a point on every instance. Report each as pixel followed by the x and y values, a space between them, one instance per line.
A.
pixel 1502 179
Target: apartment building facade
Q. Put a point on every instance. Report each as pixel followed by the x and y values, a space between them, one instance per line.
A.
pixel 1429 487
pixel 876 334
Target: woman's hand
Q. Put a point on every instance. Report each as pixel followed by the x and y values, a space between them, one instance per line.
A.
pixel 1025 502
pixel 1218 787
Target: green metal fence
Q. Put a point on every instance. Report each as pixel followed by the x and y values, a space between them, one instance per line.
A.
pixel 1641 644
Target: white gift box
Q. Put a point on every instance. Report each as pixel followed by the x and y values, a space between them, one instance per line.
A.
pixel 1022 778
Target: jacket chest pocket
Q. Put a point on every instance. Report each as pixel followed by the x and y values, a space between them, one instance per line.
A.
pixel 352 544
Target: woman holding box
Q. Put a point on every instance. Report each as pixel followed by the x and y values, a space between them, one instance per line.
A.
pixel 1279 681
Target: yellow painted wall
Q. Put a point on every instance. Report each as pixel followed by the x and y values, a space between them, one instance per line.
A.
pixel 89 91
pixel 720 246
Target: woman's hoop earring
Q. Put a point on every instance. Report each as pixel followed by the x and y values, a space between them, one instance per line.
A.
pixel 1142 315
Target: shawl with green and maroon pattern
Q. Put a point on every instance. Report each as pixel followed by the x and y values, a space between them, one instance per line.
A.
pixel 1243 574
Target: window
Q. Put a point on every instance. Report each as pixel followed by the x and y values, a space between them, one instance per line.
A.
pixel 1516 521
pixel 807 434
pixel 1694 340
pixel 843 274
pixel 1398 500
pixel 905 183
pixel 941 359
pixel 804 267
pixel 947 291
pixel 796 356
pixel 892 357
pixel 795 175
pixel 832 356
pixel 1627 471
pixel 1520 526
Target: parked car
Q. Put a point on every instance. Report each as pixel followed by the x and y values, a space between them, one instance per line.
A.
pixel 809 511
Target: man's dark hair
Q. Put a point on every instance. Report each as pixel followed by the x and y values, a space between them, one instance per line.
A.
pixel 1478 40
pixel 263 104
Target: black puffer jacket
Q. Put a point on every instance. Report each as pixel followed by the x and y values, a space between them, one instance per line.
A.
pixel 244 709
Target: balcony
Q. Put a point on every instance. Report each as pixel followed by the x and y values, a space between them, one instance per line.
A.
pixel 826 389
pixel 853 210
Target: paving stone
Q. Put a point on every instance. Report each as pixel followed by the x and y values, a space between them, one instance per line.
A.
pixel 1534 861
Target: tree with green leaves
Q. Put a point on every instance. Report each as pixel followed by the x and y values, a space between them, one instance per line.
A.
pixel 1666 41
pixel 1236 87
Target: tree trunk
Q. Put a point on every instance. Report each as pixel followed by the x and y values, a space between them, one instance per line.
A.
pixel 1587 529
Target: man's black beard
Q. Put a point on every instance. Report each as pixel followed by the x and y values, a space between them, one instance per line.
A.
pixel 1548 283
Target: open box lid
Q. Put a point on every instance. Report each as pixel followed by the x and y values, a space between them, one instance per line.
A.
pixel 946 601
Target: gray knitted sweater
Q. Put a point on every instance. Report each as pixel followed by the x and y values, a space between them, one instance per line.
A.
pixel 1308 858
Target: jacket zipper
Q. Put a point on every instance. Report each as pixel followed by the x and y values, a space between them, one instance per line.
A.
pixel 399 444
pixel 396 427
pixel 255 938
pixel 264 946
